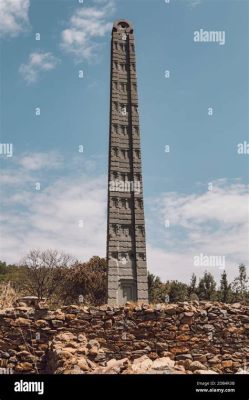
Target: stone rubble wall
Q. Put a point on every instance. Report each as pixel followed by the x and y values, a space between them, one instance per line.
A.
pixel 196 336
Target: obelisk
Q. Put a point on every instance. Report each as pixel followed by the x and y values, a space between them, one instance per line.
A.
pixel 126 248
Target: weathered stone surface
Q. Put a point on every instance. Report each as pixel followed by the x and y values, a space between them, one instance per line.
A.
pixel 22 322
pixel 141 364
pixel 214 360
pixel 82 338
pixel 200 357
pixel 126 250
pixel 179 350
pixel 83 365
pixel 171 309
pixel 56 323
pixel 183 357
pixel 24 367
pixel 159 340
pixel 162 363
pixel 65 337
pixel 41 323
pixel 227 363
pixel 117 365
pixel 183 338
pixel 196 365
pixel 187 318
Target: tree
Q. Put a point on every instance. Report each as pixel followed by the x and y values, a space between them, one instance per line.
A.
pixel 240 284
pixel 43 270
pixel 206 288
pixel 16 276
pixel 3 270
pixel 3 267
pixel 192 285
pixel 225 291
pixel 87 279
pixel 178 291
pixel 11 273
pixel 157 290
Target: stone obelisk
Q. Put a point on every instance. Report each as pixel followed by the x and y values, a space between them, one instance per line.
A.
pixel 126 249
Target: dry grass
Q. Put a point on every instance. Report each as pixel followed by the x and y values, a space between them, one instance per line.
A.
pixel 8 295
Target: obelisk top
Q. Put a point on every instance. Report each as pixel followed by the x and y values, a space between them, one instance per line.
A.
pixel 122 25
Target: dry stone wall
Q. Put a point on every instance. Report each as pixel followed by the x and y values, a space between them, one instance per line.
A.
pixel 185 337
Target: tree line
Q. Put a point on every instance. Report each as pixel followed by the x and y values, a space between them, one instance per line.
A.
pixel 205 289
pixel 61 279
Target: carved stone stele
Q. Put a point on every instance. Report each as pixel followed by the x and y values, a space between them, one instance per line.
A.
pixel 126 248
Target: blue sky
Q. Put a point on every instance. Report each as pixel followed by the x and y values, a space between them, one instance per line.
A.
pixel 184 219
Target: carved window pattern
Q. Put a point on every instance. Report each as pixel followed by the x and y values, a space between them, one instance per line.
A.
pixel 117 229
pixel 122 67
pixel 123 258
pixel 111 232
pixel 139 204
pixel 122 47
pixel 122 177
pixel 115 85
pixel 114 255
pixel 126 231
pixel 115 202
pixel 125 154
pixel 115 105
pixel 115 128
pixel 135 109
pixel 140 230
pixel 123 87
pixel 137 154
pixel 141 256
pixel 135 130
pixel 115 151
pixel 123 110
pixel 114 175
pixel 134 87
pixel 123 129
pixel 125 204
pixel 137 177
pixel 125 177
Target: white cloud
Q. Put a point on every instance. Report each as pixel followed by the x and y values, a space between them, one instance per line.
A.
pixel 85 26
pixel 210 223
pixel 14 17
pixel 38 62
pixel 36 161
pixel 51 217
pixel 12 178
pixel 23 174
pixel 214 223
pixel 225 204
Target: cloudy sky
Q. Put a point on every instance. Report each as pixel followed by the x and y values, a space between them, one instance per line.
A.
pixel 54 195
